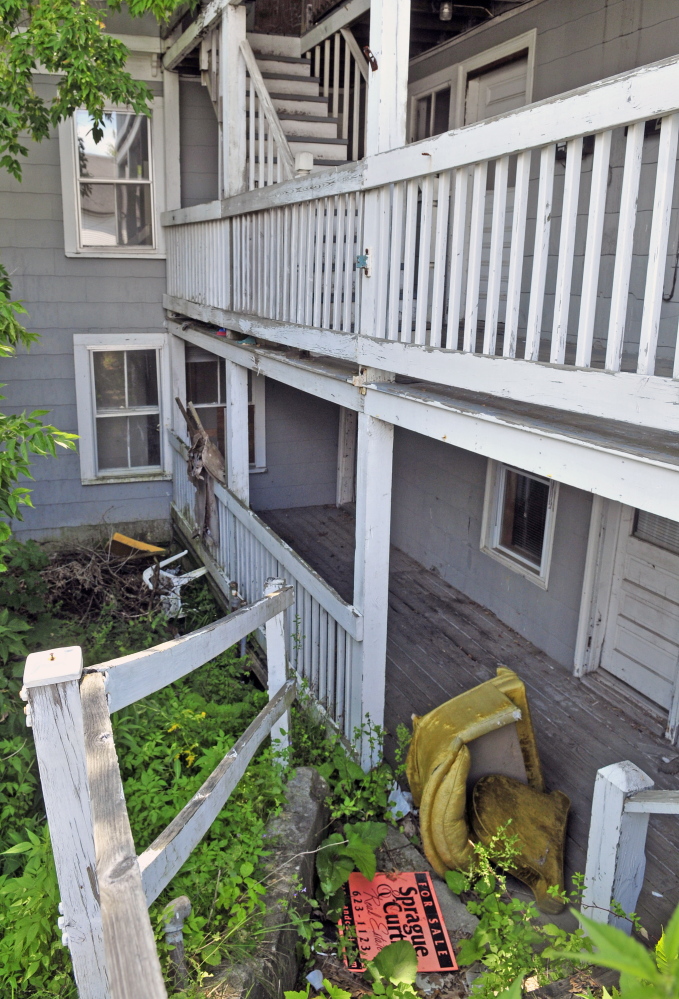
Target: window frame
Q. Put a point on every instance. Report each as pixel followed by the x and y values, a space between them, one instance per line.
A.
pixel 84 346
pixel 70 180
pixel 491 527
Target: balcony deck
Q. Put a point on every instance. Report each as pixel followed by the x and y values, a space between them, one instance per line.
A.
pixel 440 643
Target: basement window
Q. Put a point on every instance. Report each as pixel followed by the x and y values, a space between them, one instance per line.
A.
pixel 206 389
pixel 518 520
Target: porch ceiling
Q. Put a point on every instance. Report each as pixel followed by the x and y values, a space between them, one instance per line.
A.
pixel 440 643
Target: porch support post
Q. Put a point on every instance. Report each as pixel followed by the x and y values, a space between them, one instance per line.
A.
pixel 371 570
pixel 616 850
pixel 236 431
pixel 232 84
pixel 385 129
pixel 346 457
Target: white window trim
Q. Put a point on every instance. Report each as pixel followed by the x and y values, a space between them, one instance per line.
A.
pixel 83 346
pixel 70 199
pixel 456 76
pixel 259 401
pixel 492 521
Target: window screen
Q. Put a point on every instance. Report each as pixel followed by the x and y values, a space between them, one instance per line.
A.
pixel 658 531
pixel 127 411
pixel 524 504
pixel 432 114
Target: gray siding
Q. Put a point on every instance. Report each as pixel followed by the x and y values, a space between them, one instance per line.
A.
pixel 198 138
pixel 66 296
pixel 301 451
pixel 578 41
pixel 436 518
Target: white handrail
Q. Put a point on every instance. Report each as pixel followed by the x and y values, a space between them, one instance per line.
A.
pixel 286 161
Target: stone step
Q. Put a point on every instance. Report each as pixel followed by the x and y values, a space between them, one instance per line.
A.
pixel 288 83
pixel 299 104
pixel 287 65
pixel 281 45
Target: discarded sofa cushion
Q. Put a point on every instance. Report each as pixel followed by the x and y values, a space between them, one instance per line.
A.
pixel 538 821
pixel 438 769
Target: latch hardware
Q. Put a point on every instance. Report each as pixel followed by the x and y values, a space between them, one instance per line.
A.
pixel 364 262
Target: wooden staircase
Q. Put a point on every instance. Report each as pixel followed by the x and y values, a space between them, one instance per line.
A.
pixel 296 97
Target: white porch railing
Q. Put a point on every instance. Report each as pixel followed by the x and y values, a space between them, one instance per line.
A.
pixel 269 158
pixel 543 235
pixel 105 887
pixel 323 631
pixel 623 801
pixel 341 67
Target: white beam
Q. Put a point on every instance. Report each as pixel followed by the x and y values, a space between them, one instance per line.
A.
pixel 388 84
pixel 232 84
pixel 236 431
pixel 188 40
pixel 340 18
pixel 371 570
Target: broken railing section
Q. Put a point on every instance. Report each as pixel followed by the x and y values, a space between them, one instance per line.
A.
pixel 623 801
pixel 105 887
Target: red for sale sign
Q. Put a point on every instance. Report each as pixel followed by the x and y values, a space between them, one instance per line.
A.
pixel 398 907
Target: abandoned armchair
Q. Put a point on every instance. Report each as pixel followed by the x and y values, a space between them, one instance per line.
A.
pixel 473 766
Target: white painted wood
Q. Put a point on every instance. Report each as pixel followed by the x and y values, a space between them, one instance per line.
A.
pixel 412 198
pixel 623 253
pixel 53 666
pixel 173 196
pixel 355 52
pixel 657 250
pixel 129 678
pixel 276 662
pixel 188 40
pixel 582 659
pixel 426 221
pixel 497 236
pixel 57 725
pixel 591 392
pixel 346 457
pixel 440 254
pixel 564 273
pixel 595 228
pixel 131 956
pixel 395 250
pixel 267 109
pixel 163 858
pixel 232 82
pixel 477 219
pixel 457 256
pixel 388 86
pixel 518 240
pixel 236 431
pixel 654 802
pixel 540 252
pixel 338 19
pixel 371 568
pixel 618 475
pixel 616 857
pixel 672 729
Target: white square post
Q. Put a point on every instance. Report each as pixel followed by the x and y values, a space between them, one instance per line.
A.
pixel 371 571
pixel 232 83
pixel 236 431
pixel 276 659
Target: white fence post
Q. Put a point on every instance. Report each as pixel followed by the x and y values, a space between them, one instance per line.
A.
pixel 616 851
pixel 232 87
pixel 51 682
pixel 277 662
pixel 236 430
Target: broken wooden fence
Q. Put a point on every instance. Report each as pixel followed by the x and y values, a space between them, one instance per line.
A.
pixel 623 802
pixel 105 887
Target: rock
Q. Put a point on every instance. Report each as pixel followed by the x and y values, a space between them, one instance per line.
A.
pixel 293 835
pixel 398 854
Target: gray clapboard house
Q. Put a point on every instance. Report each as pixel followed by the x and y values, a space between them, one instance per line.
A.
pixel 415 264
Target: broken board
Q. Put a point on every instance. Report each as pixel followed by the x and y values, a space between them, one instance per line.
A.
pixel 397 907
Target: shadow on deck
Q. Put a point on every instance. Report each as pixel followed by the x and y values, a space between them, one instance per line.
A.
pixel 441 643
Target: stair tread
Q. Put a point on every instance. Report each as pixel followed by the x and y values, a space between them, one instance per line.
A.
pixel 268 57
pixel 291 77
pixel 318 139
pixel 289 116
pixel 298 97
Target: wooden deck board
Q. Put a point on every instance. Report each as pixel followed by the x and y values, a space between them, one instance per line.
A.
pixel 440 643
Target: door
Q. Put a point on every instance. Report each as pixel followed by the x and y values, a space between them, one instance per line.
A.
pixel 641 645
pixel 496 91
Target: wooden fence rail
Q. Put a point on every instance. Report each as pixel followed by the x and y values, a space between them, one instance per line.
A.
pixel 105 887
pixel 616 852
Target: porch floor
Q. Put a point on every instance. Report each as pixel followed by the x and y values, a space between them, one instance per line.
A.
pixel 441 643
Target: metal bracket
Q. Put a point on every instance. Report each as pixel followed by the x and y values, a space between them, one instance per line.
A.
pixel 364 262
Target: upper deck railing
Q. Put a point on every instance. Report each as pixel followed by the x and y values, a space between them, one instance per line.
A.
pixel 546 235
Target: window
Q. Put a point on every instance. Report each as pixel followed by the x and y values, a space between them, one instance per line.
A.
pixel 431 114
pixel 119 389
pixel 657 531
pixel 113 190
pixel 115 203
pixel 205 388
pixel 518 520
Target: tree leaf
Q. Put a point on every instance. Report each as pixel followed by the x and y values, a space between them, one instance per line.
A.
pixel 397 962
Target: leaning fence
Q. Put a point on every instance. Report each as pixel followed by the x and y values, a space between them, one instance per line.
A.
pixel 105 887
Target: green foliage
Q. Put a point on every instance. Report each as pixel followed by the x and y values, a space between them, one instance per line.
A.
pixel 339 855
pixel 22 587
pixel 509 939
pixel 644 974
pixel 391 974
